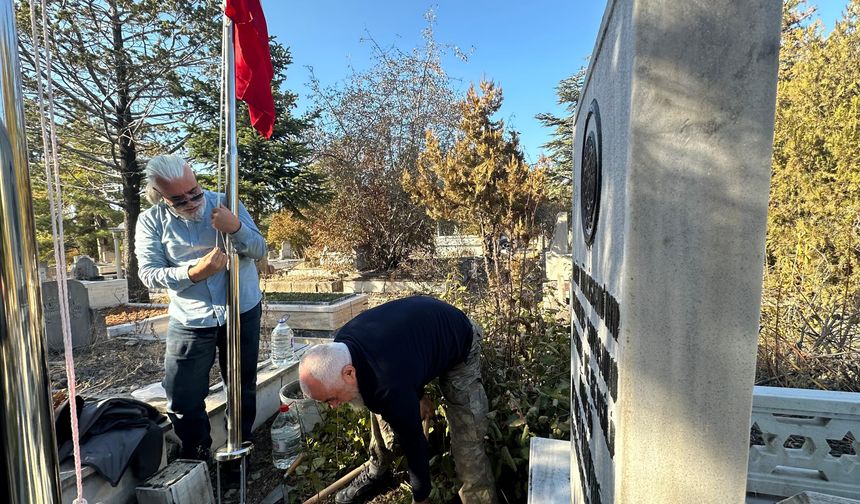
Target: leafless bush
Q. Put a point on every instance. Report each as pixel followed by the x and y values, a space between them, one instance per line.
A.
pixel 810 333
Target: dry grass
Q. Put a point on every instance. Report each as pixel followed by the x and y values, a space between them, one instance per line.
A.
pixel 809 341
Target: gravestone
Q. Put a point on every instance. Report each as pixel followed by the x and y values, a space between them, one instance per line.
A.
pixel 286 250
pixel 361 256
pixel 560 243
pixel 557 267
pixel 672 152
pixel 80 316
pixel 85 268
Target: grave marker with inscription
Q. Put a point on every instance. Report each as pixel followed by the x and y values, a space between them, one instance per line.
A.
pixel 84 268
pixel 80 315
pixel 672 164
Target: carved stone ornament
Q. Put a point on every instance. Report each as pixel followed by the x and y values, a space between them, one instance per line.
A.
pixel 591 173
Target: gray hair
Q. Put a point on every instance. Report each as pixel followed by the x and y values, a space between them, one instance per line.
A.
pixel 165 167
pixel 325 363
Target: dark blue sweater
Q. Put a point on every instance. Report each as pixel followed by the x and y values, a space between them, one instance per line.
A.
pixel 397 348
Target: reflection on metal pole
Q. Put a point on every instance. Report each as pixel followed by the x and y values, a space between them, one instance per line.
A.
pixel 235 447
pixel 30 468
pixel 234 364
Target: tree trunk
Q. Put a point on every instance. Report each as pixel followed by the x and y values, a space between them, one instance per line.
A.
pixel 129 169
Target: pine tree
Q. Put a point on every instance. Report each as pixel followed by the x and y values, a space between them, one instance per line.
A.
pixel 118 66
pixel 811 300
pixel 483 181
pixel 560 147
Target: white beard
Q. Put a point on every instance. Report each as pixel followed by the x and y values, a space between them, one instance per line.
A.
pixel 197 216
pixel 357 402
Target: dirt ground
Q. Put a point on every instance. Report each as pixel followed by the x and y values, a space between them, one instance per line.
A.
pixel 123 314
pixel 116 367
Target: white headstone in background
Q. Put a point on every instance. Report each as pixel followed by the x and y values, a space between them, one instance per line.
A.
pixel 80 316
pixel 672 164
pixel 286 250
pixel 561 234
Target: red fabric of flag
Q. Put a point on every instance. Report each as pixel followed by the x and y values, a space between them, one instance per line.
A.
pixel 254 70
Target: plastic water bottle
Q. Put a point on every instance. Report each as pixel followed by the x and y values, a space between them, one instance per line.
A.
pixel 286 437
pixel 282 346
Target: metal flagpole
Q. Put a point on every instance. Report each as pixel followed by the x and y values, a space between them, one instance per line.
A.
pixel 235 448
pixel 29 469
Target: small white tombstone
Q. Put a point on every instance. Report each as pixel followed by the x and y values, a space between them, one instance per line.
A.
pixel 287 250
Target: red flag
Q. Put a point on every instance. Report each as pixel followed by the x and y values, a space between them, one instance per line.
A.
pixel 253 62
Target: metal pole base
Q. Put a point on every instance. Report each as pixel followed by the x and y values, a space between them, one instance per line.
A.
pixel 223 455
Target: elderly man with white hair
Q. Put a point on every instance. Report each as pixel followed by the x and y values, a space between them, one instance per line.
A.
pixel 382 359
pixel 176 242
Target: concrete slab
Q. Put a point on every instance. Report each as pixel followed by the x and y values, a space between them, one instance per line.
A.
pixel 148 329
pixel 106 293
pixel 818 498
pixel 549 471
pixel 321 317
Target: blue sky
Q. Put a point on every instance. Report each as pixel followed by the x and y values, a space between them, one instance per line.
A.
pixel 525 47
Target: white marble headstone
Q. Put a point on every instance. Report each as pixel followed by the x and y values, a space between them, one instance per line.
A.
pixel 672 165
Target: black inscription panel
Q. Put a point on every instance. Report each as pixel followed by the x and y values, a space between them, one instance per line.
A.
pixel 600 299
pixel 595 387
pixel 581 434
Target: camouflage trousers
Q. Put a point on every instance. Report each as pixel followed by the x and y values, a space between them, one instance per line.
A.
pixel 467 422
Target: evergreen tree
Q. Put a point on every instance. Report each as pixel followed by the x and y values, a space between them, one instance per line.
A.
pixel 811 300
pixel 118 66
pixel 560 147
pixel 483 180
pixel 274 174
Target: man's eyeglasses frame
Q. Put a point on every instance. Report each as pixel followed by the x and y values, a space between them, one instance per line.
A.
pixel 184 202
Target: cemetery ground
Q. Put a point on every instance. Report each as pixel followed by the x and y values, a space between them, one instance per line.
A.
pixel 526 376
pixel 527 386
pixel 529 398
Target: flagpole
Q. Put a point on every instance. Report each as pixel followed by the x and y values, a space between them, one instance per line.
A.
pixel 29 466
pixel 235 448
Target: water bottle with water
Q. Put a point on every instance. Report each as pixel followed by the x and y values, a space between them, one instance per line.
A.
pixel 282 345
pixel 286 437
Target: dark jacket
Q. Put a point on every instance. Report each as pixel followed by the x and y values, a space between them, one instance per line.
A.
pixel 397 348
pixel 115 433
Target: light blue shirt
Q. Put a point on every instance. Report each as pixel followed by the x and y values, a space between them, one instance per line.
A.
pixel 167 245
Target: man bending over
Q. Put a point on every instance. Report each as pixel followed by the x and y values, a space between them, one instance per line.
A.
pixel 382 359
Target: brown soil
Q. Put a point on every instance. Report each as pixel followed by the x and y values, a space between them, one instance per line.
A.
pixel 124 314
pixel 264 477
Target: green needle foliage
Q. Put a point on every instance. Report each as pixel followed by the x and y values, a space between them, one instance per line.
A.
pixel 274 174
pixel 811 301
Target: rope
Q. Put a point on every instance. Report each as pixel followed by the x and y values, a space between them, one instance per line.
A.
pixel 55 199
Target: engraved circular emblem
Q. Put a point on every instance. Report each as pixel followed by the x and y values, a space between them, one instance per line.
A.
pixel 591 168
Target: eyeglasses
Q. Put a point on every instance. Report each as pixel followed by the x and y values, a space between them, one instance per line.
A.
pixel 184 202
